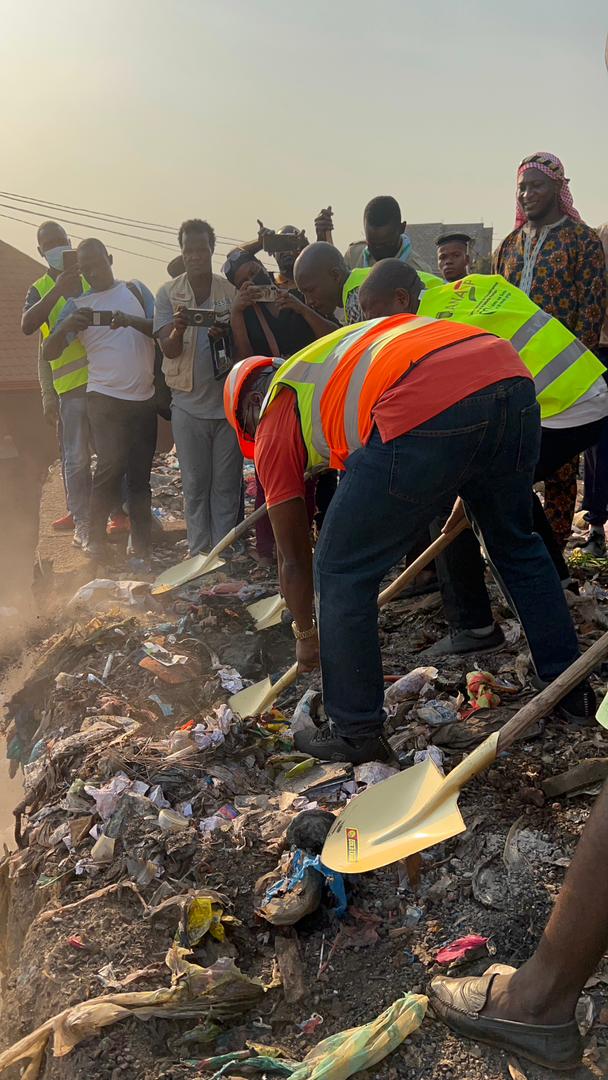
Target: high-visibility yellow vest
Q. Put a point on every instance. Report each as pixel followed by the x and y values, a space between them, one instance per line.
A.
pixel 71 369
pixel 339 379
pixel 354 281
pixel 562 367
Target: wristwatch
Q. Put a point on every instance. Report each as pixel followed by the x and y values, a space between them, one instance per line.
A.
pixel 303 635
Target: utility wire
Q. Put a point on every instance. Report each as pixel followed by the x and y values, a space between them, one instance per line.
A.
pixel 116 218
pixel 125 251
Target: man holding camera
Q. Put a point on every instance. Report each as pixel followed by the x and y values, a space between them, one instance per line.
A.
pixel 191 320
pixel 113 322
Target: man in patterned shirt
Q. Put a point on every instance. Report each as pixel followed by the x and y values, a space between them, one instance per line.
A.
pixel 558 261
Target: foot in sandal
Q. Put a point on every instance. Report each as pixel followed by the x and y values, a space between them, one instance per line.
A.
pixel 530 1012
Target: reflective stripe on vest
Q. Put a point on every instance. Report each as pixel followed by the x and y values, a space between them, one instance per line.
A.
pixel 70 370
pixel 339 379
pixel 562 367
pixel 356 278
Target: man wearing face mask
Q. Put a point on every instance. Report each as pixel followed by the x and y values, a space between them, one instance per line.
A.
pixel 63 380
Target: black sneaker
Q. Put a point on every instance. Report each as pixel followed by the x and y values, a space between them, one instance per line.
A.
pixel 463 643
pixel 325 744
pixel 595 544
pixel 579 706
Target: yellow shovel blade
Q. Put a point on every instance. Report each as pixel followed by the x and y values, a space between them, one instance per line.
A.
pixel 602 713
pixel 267 612
pixel 250 701
pixel 407 813
pixel 186 571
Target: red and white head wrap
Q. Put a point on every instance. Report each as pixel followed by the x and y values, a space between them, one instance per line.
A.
pixel 551 166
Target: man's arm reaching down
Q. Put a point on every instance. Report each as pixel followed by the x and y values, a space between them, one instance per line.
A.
pixel 289 522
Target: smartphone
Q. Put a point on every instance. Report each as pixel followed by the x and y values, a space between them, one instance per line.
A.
pixel 201 316
pixel 70 260
pixel 274 242
pixel 266 294
pixel 101 318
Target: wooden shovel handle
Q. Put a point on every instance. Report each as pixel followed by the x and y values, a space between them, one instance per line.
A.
pixel 543 704
pixel 277 688
pixel 239 530
pixel 440 544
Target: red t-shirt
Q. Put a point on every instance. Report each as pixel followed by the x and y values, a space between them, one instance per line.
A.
pixel 434 385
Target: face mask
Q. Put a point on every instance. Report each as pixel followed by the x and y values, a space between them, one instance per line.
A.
pixel 262 278
pixel 54 256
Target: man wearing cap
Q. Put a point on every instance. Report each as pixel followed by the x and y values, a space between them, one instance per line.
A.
pixel 411 411
pixel 453 255
pixel 208 452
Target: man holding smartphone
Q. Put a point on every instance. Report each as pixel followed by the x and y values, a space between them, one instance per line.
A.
pixel 197 358
pixel 113 322
pixel 64 382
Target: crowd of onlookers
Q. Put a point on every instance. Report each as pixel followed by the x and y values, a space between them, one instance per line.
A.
pixel 113 357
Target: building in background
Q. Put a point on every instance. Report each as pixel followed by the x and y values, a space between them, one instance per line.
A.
pixel 423 239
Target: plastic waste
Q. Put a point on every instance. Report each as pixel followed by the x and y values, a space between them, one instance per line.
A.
pixel 468 947
pixel 359 1048
pixel 410 685
pixel 305 711
pixel 437 713
pixel 171 822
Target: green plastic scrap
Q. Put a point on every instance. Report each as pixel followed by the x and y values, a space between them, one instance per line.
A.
pixel 340 1055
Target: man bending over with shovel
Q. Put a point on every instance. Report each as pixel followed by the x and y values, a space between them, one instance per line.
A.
pixel 412 410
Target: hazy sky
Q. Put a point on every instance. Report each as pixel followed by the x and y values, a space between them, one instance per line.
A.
pixel 233 110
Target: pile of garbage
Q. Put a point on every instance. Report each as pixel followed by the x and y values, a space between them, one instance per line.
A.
pixel 167 913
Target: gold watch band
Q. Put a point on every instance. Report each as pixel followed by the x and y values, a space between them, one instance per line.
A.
pixel 303 635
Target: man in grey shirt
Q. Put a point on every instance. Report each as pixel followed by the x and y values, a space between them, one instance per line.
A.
pixel 207 448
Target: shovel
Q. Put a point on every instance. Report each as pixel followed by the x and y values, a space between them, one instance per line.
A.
pixel 417 808
pixel 267 612
pixel 193 568
pixel 254 699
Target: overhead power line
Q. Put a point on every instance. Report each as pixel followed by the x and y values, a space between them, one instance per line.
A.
pixel 125 251
pixel 116 218
pixel 219 255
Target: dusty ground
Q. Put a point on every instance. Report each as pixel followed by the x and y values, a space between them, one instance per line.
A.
pixel 388 941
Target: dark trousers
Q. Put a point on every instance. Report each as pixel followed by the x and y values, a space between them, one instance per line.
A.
pixel 485 448
pixel 460 569
pixel 595 499
pixel 124 435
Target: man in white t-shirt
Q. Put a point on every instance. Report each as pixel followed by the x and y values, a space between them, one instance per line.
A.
pixel 114 323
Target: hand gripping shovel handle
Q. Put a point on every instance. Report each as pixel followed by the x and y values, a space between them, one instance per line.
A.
pixel 239 530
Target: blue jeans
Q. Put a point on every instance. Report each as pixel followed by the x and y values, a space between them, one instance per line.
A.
pixel 76 453
pixel 485 449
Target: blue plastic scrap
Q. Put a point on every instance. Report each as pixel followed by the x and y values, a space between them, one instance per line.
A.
pixel 300 864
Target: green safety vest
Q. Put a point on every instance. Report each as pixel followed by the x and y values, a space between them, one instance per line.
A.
pixel 70 370
pixel 562 367
pixel 355 280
